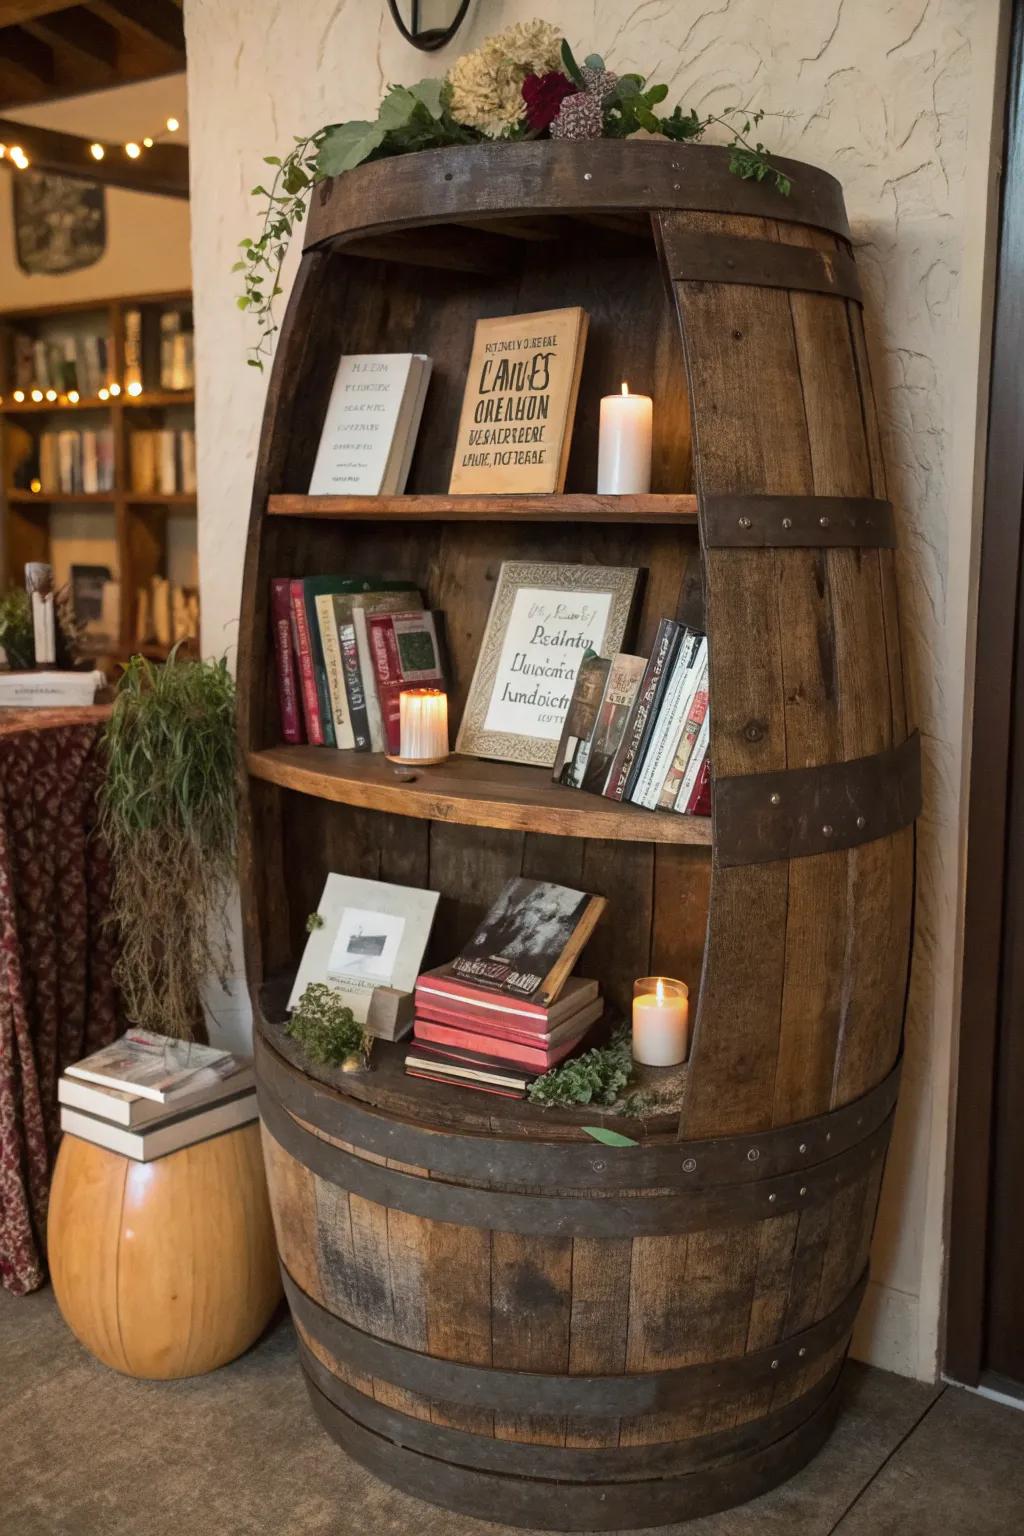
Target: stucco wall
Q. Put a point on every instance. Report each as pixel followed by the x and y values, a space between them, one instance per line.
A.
pixel 896 97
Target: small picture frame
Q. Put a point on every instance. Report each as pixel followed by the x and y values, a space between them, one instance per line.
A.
pixel 543 620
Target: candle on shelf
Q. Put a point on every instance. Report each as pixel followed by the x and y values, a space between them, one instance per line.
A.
pixel 423 722
pixel 661 1012
pixel 624 447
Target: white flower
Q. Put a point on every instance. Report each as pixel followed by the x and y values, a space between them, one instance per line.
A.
pixel 487 85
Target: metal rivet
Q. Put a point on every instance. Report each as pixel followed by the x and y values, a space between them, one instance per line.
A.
pixel 587 176
pixel 862 822
pixel 675 186
pixel 826 830
pixel 828 1135
pixel 772 1199
pixel 823 522
pixel 787 522
pixel 447 175
pixel 598 1166
pixel 775 799
pixel 689 1165
pixel 753 1155
pixel 860 1119
pixel 674 164
pixel 803 1189
pixel 775 1365
pixel 803 1146
pixel 744 522
pixel 802 1351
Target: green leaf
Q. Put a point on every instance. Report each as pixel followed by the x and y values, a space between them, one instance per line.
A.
pixel 656 94
pixel 572 69
pixel 609 1138
pixel 243 301
pixel 348 145
pixel 397 108
pixel 594 61
pixel 239 266
pixel 271 160
pixel 428 94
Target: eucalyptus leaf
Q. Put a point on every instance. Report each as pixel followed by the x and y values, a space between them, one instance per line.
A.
pixel 347 146
pixel 594 61
pixel 609 1138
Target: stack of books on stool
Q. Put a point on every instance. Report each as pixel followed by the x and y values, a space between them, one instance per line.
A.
pixel 506 1010
pixel 147 1095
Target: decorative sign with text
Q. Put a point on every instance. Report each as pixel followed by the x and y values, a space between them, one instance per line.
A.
pixel 543 620
pixel 516 423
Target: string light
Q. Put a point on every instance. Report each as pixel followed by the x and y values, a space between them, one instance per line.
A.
pixel 51 394
pixel 3 150
pixel 97 151
pixel 19 395
pixel 173 125
pixel 37 395
pixel 132 150
pixel 147 143
pixel 104 394
pixel 18 155
pixel 73 396
pixel 134 388
pixel 115 389
pixel 35 485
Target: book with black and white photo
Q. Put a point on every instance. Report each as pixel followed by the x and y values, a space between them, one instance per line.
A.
pixel 530 940
pixel 369 431
pixel 581 720
pixel 228 1078
pixel 150 1065
pixel 624 679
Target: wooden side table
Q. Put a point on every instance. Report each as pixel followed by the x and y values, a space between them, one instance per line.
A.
pixel 169 1268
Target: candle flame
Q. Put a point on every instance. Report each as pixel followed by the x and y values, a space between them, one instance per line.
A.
pixel 625 387
pixel 659 991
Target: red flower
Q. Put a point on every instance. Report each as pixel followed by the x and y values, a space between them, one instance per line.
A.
pixel 544 95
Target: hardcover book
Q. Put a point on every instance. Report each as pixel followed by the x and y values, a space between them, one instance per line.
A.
pixel 150 1065
pixel 148 1142
pixel 285 661
pixel 581 720
pixel 120 1107
pixel 516 422
pixel 370 428
pixel 406 654
pixel 334 612
pixel 698 708
pixel 661 741
pixel 530 940
pixel 626 762
pixel 623 684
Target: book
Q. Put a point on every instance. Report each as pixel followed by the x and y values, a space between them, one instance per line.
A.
pixel 367 671
pixel 371 936
pixel 687 796
pixel 535 1058
pixel 302 641
pixel 465 1069
pixel 355 693
pixel 439 989
pixel 330 650
pixel 391 596
pixel 305 592
pixel 132 347
pixel 581 720
pixel 142 459
pixel 700 799
pixel 370 426
pixel 49 690
pixel 621 689
pixel 130 1109
pixel 406 654
pixel 285 661
pixel 151 1065
pixel 580 1020
pixel 462 1082
pixel 166 461
pixel 661 740
pixel 625 761
pixel 146 1144
pixel 687 737
pixel 530 940
pixel 520 399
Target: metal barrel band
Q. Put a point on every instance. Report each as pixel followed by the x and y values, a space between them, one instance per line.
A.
pixel 567 1215
pixel 549 1505
pixel 792 813
pixel 569 1164
pixel 600 1397
pixel 570 1464
pixel 796 522
pixel 692 256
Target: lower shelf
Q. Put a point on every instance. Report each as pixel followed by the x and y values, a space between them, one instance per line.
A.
pixel 470 792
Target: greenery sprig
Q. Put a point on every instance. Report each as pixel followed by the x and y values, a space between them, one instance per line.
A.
pixel 326 1028
pixel 596 1077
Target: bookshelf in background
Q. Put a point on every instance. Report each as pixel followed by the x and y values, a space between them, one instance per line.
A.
pixel 97 459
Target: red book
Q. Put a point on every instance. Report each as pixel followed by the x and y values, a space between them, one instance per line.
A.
pixel 700 800
pixel 307 675
pixel 457 1018
pixel 405 655
pixel 537 1060
pixel 440 989
pixel 465 1082
pixel 284 656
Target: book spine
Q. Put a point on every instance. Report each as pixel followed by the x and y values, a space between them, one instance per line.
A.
pixel 700 749
pixel 646 699
pixel 485 998
pixel 687 739
pixel 284 657
pixel 459 1018
pixel 353 679
pixel 388 672
pixel 331 649
pixel 700 800
pixel 369 676
pixel 304 653
pixel 660 744
pixel 440 1077
pixel 489 1045
pixel 319 668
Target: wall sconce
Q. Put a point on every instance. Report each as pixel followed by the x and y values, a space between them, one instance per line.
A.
pixel 427 39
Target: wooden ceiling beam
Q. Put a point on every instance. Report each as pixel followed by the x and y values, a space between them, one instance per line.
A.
pixel 25 54
pixel 90 41
pixel 14 12
pixel 156 22
pixel 162 170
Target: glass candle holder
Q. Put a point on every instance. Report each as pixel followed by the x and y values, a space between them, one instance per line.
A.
pixel 423 724
pixel 661 1020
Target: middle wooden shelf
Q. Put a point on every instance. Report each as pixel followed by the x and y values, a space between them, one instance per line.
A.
pixel 470 792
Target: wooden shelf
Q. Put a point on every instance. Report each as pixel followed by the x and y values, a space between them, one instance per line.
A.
pixel 30 407
pixel 154 499
pixel 46 498
pixel 470 792
pixel 583 507
pixel 158 397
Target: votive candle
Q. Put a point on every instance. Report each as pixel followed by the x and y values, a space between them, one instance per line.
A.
pixel 423 723
pixel 624 444
pixel 661 1016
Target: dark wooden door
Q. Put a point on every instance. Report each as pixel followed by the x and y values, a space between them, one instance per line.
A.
pixel 985 1334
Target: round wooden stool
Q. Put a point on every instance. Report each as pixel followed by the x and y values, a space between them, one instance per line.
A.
pixel 168 1268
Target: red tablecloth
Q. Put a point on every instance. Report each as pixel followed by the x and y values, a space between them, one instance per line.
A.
pixel 57 996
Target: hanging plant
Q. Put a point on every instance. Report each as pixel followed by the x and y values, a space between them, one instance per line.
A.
pixel 168 812
pixel 522 83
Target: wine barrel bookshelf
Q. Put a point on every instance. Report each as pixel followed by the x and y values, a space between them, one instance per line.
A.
pixel 495 1311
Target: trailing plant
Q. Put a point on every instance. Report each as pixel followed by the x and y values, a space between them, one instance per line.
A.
pixel 16 633
pixel 596 1077
pixel 326 1028
pixel 169 816
pixel 522 83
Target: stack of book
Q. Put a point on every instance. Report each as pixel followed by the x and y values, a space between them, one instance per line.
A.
pixel 73 462
pixel 158 349
pixel 145 1095
pixel 637 728
pixel 344 648
pixel 506 1009
pixel 62 362
pixel 163 461
pixel 166 613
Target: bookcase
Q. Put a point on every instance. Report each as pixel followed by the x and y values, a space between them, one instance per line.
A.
pixel 496 1311
pixel 95 369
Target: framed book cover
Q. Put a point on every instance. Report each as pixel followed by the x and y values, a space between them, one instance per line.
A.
pixel 543 619
pixel 370 935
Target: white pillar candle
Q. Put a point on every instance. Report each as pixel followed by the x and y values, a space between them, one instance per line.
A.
pixel 423 722
pixel 661 1013
pixel 624 448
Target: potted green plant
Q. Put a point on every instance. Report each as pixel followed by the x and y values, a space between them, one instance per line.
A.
pixel 169 816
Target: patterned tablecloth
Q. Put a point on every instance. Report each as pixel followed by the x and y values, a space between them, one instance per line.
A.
pixel 57 996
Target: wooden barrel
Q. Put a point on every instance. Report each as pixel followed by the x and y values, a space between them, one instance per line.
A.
pixel 497 1312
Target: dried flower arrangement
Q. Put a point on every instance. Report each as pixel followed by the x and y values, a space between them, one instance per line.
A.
pixel 522 83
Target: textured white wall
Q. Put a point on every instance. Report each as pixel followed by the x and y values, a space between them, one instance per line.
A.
pixel 896 97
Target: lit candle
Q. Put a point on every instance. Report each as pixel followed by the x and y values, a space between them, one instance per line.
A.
pixel 661 1012
pixel 423 720
pixel 624 448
